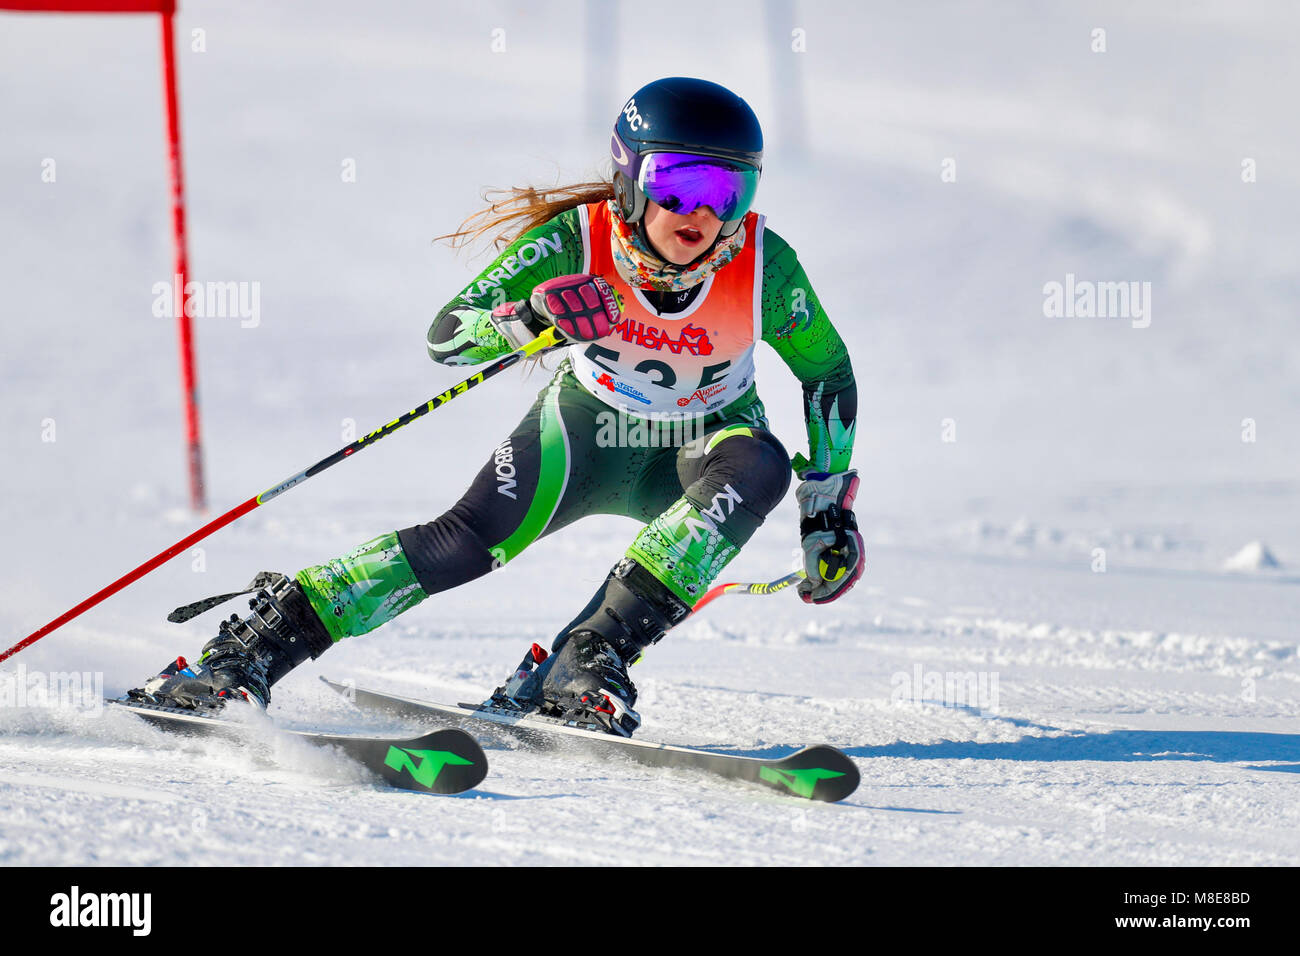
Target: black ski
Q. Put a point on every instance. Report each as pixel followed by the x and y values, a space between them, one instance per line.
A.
pixel 447 761
pixel 816 773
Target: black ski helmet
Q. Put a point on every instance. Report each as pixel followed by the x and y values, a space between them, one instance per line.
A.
pixel 681 114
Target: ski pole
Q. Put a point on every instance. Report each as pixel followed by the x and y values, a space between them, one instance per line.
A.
pixel 548 339
pixel 771 587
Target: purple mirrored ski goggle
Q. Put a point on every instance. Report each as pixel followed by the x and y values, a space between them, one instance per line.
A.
pixel 682 182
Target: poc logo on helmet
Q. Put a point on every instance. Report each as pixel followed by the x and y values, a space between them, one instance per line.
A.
pixel 633 115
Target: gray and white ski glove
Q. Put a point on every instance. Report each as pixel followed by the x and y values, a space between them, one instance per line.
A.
pixel 833 554
pixel 581 307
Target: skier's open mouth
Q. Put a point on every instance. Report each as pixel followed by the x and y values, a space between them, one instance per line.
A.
pixel 689 235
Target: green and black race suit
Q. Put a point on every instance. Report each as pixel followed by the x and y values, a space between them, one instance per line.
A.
pixel 703 484
pixel 793 324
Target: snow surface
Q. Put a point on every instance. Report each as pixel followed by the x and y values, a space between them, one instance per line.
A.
pixel 1144 714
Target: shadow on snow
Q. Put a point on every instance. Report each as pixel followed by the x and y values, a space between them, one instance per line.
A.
pixel 1115 745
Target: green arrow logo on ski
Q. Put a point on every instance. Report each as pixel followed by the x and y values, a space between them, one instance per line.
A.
pixel 423 765
pixel 800 782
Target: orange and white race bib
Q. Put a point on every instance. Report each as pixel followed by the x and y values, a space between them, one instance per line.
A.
pixel 682 365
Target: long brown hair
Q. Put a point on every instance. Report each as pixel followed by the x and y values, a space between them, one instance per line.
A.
pixel 521 208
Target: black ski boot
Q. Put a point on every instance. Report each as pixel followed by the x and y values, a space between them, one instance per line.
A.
pixel 586 675
pixel 246 657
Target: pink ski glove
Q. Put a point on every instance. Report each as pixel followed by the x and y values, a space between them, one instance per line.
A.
pixel 582 307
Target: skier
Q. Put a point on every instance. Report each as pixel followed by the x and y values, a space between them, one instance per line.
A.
pixel 662 282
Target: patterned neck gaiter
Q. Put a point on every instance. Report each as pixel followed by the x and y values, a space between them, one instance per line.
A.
pixel 642 269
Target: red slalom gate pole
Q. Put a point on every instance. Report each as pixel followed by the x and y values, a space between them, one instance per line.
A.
pixel 88 6
pixel 548 339
pixel 189 387
pixel 184 328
